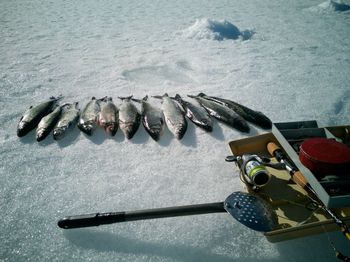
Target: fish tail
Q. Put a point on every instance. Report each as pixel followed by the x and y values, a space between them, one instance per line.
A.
pixel 104 99
pixel 178 97
pixel 137 100
pixel 125 97
pixel 158 97
pixel 60 97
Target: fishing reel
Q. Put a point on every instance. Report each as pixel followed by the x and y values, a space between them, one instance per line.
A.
pixel 253 169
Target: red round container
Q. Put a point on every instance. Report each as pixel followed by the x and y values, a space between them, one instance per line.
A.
pixel 325 157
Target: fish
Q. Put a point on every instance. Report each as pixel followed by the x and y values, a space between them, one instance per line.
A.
pixel 223 113
pixel 34 114
pixel 68 118
pixel 174 116
pixel 109 117
pixel 152 118
pixel 47 123
pixel 129 117
pixel 252 116
pixel 88 117
pixel 198 115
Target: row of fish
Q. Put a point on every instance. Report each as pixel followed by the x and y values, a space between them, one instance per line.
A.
pixel 49 116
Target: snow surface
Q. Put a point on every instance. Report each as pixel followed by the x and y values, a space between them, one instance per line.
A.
pixel 293 64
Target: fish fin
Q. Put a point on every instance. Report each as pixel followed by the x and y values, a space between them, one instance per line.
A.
pixel 145 98
pixel 191 96
pixel 201 94
pixel 76 105
pixel 93 98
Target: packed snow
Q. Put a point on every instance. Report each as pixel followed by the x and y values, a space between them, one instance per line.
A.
pixel 215 30
pixel 288 59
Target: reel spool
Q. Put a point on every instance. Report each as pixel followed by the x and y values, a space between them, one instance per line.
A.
pixel 253 169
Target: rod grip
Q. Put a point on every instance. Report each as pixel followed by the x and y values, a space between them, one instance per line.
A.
pixel 296 175
pixel 272 147
pixel 299 179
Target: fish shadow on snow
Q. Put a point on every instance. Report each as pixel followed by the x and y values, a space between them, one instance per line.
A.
pixel 108 242
pixel 141 136
pixel 166 137
pixel 69 138
pixel 190 138
pixel 217 131
pixel 29 138
pixel 98 136
pixel 47 141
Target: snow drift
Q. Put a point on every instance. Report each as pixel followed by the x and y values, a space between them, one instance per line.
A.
pixel 215 30
pixel 332 6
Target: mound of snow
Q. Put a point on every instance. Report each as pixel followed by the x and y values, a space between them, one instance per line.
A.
pixel 215 30
pixel 337 6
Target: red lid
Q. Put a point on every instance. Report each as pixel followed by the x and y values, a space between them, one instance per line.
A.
pixel 325 156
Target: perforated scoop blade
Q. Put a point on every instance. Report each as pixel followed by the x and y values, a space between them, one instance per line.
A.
pixel 251 211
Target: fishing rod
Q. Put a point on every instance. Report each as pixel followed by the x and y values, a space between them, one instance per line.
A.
pixel 248 209
pixel 299 179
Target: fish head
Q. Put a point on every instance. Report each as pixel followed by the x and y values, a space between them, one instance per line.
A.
pixel 58 133
pixel 111 128
pixel 24 128
pixel 87 128
pixel 41 133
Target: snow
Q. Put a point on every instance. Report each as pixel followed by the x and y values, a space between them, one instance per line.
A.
pixel 293 64
pixel 215 30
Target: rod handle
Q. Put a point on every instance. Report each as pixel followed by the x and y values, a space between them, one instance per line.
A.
pixel 299 179
pixel 272 147
pixel 296 175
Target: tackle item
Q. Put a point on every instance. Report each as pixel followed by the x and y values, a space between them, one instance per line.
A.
pixel 325 156
pixel 303 183
pixel 277 152
pixel 247 209
pixel 253 168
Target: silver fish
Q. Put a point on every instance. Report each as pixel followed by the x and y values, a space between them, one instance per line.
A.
pixel 34 114
pixel 108 117
pixel 129 117
pixel 88 117
pixel 47 123
pixel 223 113
pixel 174 117
pixel 198 115
pixel 152 119
pixel 255 117
pixel 69 116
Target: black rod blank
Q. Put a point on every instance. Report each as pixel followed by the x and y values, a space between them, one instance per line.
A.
pixel 96 219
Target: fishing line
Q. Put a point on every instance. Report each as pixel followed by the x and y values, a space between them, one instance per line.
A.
pixel 338 254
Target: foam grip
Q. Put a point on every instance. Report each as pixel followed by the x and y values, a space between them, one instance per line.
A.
pixel 272 147
pixel 299 179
